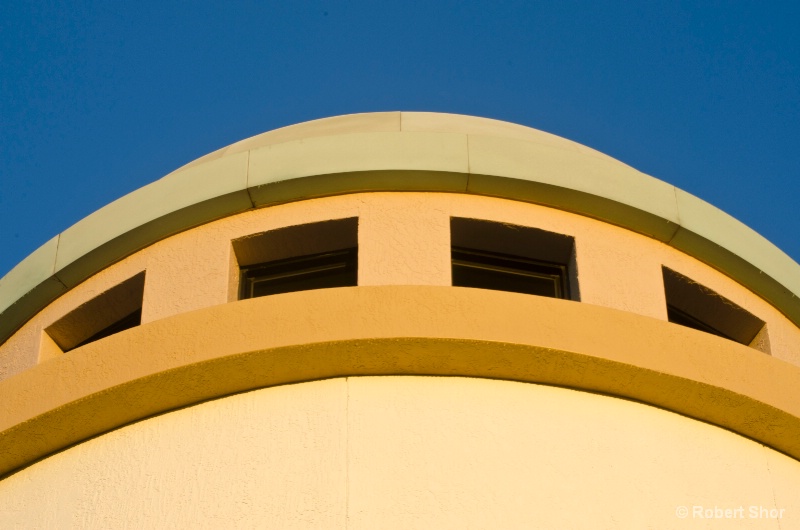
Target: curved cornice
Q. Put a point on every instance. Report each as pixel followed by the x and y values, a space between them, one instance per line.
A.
pixel 399 152
pixel 391 330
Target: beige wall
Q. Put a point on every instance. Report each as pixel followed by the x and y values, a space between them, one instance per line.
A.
pixel 391 152
pixel 401 452
pixel 403 239
pixel 406 452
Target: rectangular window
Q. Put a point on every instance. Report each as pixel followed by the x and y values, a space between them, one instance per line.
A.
pixel 115 310
pixel 503 257
pixel 695 306
pixel 297 258
pixel 491 270
pixel 316 271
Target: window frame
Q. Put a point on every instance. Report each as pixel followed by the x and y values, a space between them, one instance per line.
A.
pixel 505 248
pixel 502 263
pixel 283 268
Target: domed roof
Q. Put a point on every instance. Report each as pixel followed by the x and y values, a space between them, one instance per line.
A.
pixel 398 151
pixel 378 122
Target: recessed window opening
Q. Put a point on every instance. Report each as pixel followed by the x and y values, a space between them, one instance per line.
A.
pixel 298 258
pixel 695 306
pixel 504 257
pixel 317 271
pixel 503 272
pixel 115 310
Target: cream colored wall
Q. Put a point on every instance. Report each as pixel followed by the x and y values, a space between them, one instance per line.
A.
pixel 397 152
pixel 406 452
pixel 403 239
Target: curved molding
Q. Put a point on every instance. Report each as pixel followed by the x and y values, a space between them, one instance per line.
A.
pixel 391 330
pixel 399 152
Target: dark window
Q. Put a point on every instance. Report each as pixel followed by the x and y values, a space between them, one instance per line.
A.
pixel 504 257
pixel 502 272
pixel 115 310
pixel 296 258
pixel 316 271
pixel 126 322
pixel 695 306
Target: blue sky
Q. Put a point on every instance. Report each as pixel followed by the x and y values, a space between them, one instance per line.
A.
pixel 100 98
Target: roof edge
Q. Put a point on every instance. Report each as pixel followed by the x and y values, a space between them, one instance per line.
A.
pixel 400 152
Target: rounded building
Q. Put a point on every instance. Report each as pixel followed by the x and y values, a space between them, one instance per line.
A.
pixel 402 320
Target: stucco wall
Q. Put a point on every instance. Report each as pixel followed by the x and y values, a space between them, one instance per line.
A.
pixel 380 450
pixel 406 452
pixel 403 239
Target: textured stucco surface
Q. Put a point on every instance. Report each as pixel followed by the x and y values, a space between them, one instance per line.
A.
pixel 274 459
pixel 403 240
pixel 391 330
pixel 405 452
pixel 399 152
pixel 398 452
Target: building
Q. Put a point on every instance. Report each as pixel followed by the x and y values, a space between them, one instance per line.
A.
pixel 402 320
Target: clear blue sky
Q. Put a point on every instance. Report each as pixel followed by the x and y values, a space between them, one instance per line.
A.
pixel 100 98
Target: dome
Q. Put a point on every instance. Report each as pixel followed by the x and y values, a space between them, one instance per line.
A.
pixel 399 151
pixel 401 319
